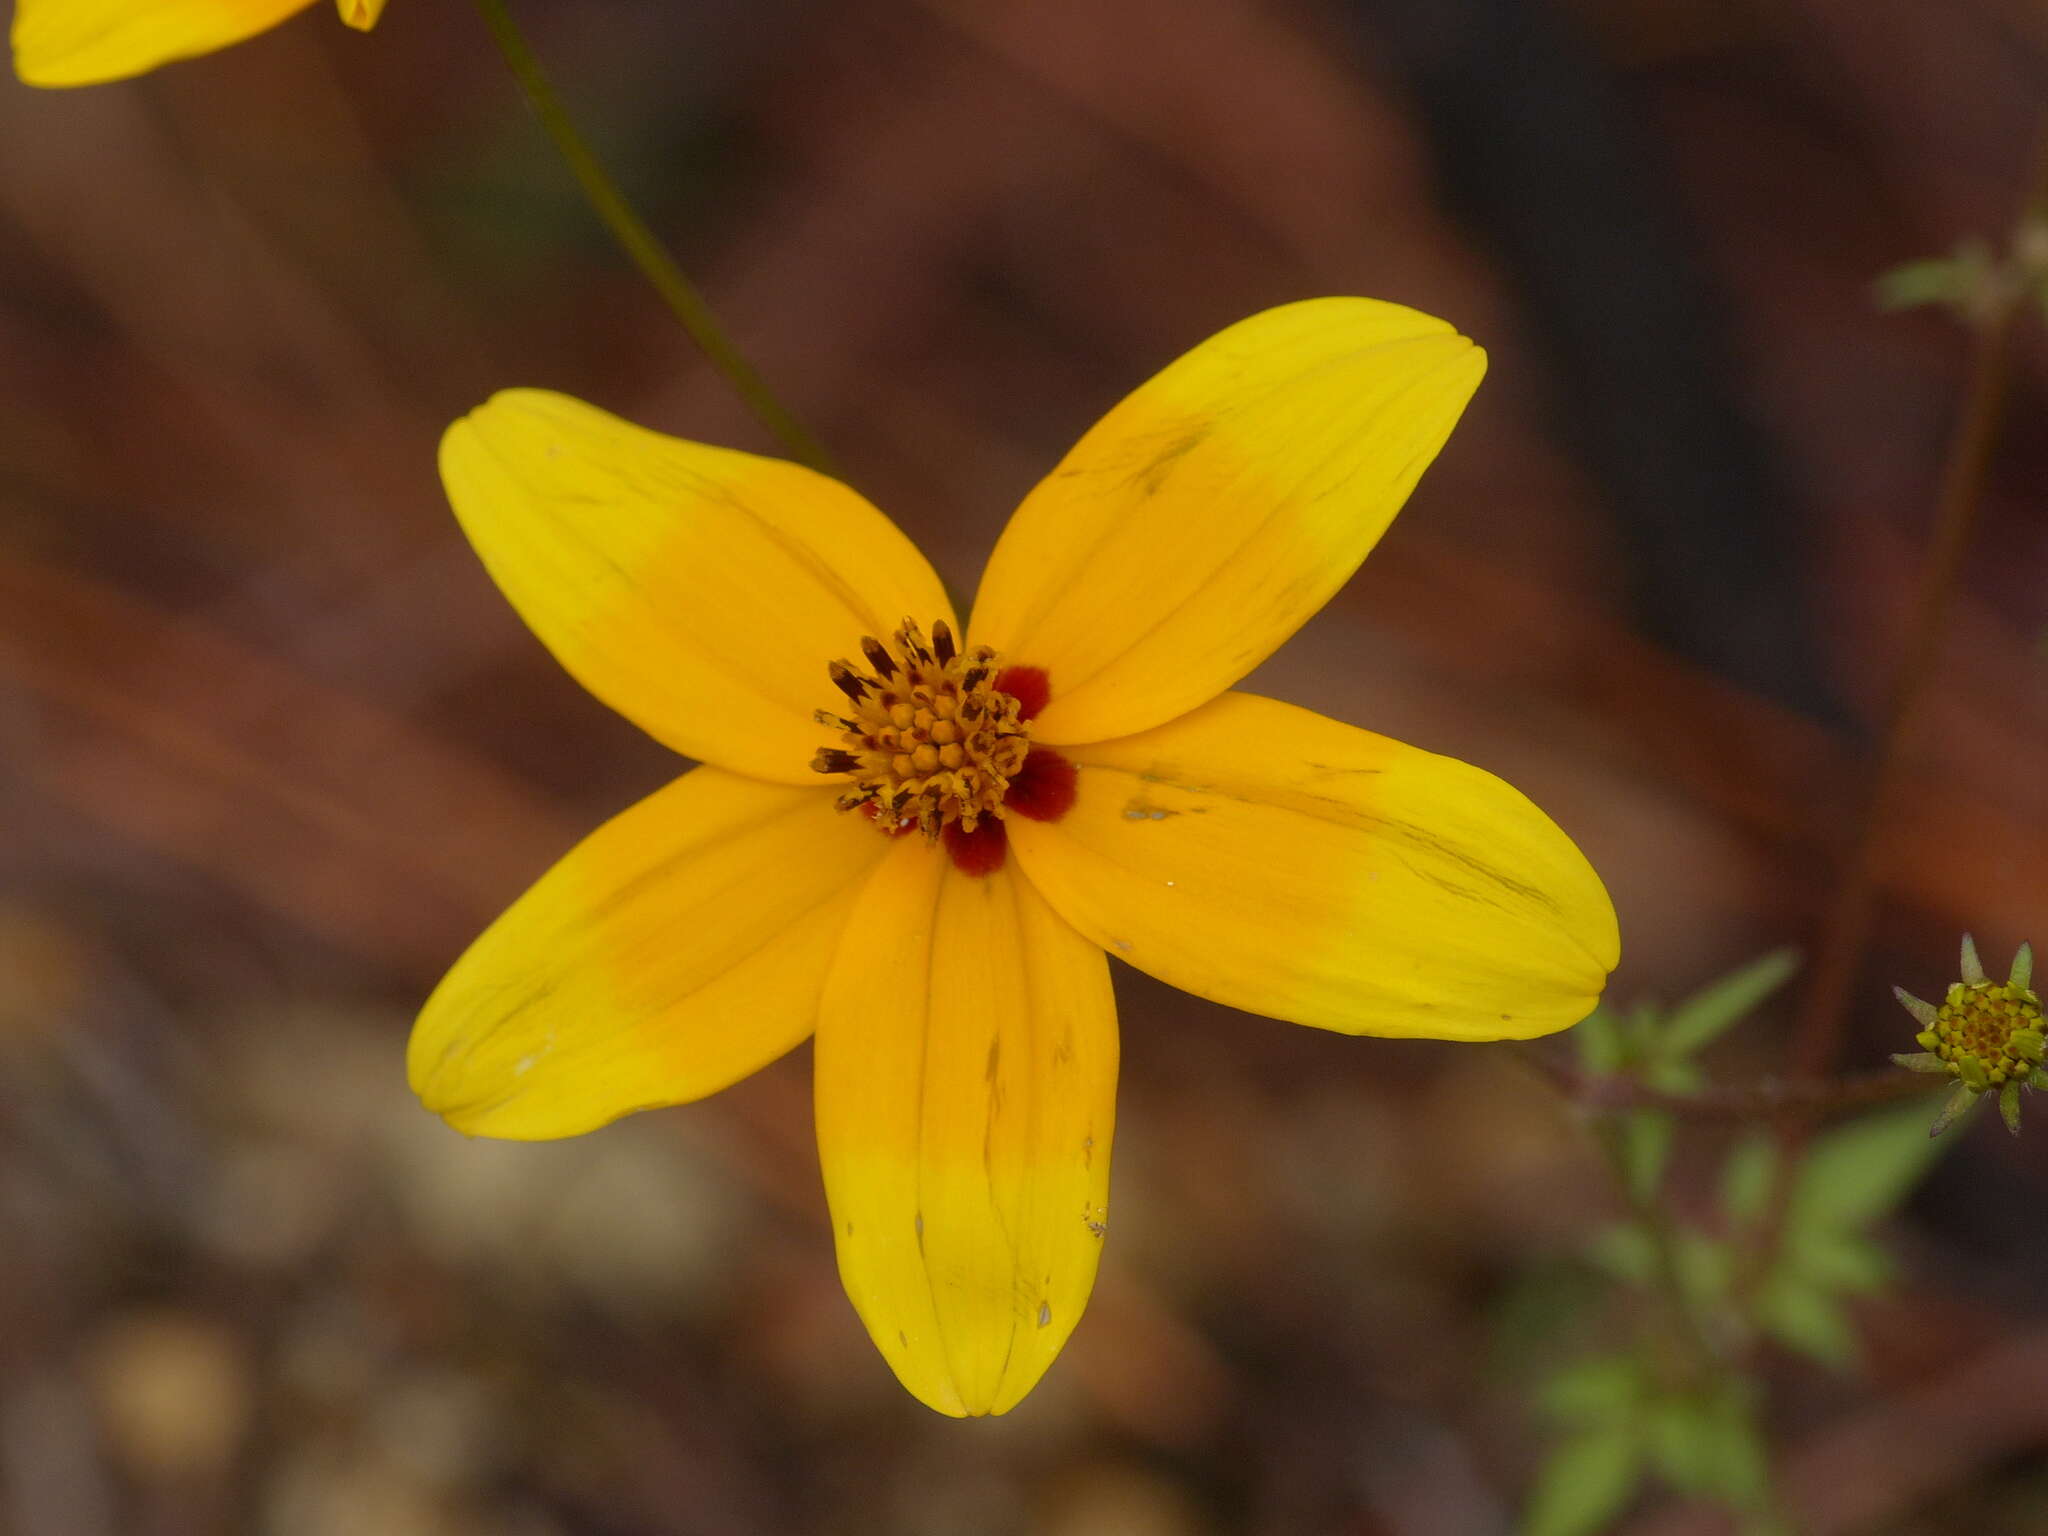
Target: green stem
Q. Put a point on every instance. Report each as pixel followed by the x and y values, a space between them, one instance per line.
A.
pixel 641 245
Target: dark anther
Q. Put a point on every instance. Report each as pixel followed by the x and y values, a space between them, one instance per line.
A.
pixel 913 642
pixel 832 760
pixel 848 681
pixel 878 656
pixel 942 640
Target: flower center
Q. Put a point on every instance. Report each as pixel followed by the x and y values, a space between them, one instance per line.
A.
pixel 1995 1028
pixel 930 741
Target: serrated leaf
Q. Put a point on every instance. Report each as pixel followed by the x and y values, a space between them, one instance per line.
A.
pixel 1746 1177
pixel 1712 1011
pixel 1802 1316
pixel 1645 1146
pixel 1625 1251
pixel 1585 1483
pixel 1602 1390
pixel 1601 1048
pixel 1860 1171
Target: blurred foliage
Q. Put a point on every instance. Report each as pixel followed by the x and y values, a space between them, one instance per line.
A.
pixel 1777 1256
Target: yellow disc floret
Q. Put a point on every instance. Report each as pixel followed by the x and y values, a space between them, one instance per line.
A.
pixel 1982 1028
pixel 930 740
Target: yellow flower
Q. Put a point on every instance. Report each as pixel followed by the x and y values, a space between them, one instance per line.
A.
pixel 1093 786
pixel 84 42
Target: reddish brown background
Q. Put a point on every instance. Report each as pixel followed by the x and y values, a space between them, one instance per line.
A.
pixel 272 750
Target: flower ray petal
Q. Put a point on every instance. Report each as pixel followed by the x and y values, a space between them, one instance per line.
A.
pixel 86 42
pixel 1290 865
pixel 966 1078
pixel 675 950
pixel 698 591
pixel 1212 512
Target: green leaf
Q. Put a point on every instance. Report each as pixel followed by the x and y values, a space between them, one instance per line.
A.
pixel 1601 1390
pixel 1714 1010
pixel 1746 1177
pixel 1643 1024
pixel 1738 1461
pixel 1838 1261
pixel 1587 1481
pixel 1601 1048
pixel 1674 1077
pixel 1937 280
pixel 1861 1171
pixel 1681 1445
pixel 1802 1316
pixel 1706 1269
pixel 1625 1251
pixel 1955 280
pixel 1645 1149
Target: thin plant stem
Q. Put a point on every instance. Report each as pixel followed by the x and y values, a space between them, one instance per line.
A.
pixel 641 245
pixel 1612 1093
pixel 1823 1014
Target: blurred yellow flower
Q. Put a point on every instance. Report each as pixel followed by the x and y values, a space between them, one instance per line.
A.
pixel 85 42
pixel 1073 778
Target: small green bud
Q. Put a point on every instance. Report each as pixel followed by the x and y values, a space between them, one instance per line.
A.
pixel 1990 1034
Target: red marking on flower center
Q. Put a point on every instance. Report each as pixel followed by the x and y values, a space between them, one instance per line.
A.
pixel 1029 686
pixel 1044 787
pixel 980 852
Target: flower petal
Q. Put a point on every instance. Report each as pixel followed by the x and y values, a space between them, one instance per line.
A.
pixel 698 591
pixel 676 949
pixel 1211 513
pixel 84 42
pixel 966 1081
pixel 1294 866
